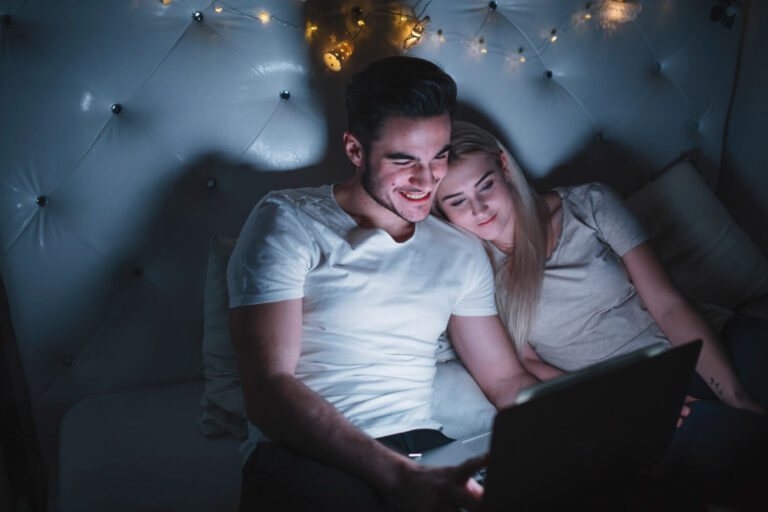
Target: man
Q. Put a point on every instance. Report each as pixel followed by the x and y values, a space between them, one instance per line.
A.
pixel 337 297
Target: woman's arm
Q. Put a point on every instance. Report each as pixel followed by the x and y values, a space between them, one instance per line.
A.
pixel 681 324
pixel 536 366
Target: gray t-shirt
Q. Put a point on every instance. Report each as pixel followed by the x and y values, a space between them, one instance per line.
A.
pixel 589 310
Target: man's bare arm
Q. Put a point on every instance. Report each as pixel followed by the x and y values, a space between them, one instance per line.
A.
pixel 267 340
pixel 484 347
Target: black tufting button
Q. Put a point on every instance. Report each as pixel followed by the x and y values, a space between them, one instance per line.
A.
pixel 210 183
pixel 285 94
pixel 138 271
pixel 492 5
pixel 548 75
pixel 599 136
pixel 41 200
pixel 68 361
pixel 117 109
pixel 5 20
pixel 657 66
pixel 197 16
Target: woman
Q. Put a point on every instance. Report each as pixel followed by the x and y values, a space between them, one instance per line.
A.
pixel 577 280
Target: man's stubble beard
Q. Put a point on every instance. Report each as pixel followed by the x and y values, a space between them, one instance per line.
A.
pixel 369 186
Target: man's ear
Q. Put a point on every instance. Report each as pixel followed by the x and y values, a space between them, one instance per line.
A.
pixel 354 150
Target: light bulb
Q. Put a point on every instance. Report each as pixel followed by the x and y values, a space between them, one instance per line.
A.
pixel 264 17
pixel 337 56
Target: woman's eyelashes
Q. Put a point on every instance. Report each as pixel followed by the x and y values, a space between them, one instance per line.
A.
pixel 486 185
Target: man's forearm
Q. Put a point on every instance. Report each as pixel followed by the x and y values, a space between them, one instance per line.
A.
pixel 289 412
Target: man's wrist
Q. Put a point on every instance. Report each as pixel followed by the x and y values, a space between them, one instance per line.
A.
pixel 394 472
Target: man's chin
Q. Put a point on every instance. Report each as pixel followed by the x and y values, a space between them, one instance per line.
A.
pixel 415 215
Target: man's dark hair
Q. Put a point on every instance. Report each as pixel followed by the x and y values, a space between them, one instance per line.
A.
pixel 397 87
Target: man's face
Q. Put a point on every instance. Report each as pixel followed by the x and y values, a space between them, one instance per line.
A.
pixel 406 162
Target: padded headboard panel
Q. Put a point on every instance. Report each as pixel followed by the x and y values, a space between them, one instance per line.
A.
pixel 133 131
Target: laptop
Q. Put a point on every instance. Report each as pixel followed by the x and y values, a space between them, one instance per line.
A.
pixel 584 438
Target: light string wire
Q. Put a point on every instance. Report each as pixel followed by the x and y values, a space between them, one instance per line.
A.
pixel 591 10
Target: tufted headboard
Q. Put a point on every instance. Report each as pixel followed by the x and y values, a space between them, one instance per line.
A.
pixel 133 131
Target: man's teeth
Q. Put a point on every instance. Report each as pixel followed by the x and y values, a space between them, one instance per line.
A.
pixel 416 197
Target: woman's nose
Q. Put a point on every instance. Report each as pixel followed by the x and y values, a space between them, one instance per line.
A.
pixel 478 207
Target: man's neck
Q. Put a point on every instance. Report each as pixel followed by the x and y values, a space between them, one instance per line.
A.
pixel 368 213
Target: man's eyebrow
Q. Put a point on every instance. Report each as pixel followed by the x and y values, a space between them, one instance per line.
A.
pixel 488 173
pixel 406 156
pixel 400 156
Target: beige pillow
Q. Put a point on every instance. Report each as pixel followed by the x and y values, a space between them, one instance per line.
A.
pixel 708 255
pixel 222 407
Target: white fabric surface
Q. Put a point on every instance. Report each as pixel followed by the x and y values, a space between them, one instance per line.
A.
pixel 708 255
pixel 222 406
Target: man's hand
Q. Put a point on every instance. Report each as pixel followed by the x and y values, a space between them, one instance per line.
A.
pixel 441 488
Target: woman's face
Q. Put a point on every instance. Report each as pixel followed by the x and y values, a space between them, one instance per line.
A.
pixel 475 195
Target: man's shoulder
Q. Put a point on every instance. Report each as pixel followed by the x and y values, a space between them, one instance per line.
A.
pixel 450 232
pixel 298 196
pixel 452 240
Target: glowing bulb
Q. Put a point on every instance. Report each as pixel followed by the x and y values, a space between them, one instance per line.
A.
pixel 442 39
pixel 554 38
pixel 522 59
pixel 588 16
pixel 338 55
pixel 402 18
pixel 313 28
pixel 483 50
pixel 360 23
pixel 416 33
pixel 219 9
pixel 264 17
pixel 613 12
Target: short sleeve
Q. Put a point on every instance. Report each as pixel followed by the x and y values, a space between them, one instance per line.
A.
pixel 616 225
pixel 272 256
pixel 478 292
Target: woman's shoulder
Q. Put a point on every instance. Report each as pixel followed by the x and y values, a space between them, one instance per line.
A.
pixel 590 196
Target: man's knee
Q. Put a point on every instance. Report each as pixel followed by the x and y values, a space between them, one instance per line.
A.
pixel 275 478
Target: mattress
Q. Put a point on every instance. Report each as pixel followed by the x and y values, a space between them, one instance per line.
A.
pixel 142 450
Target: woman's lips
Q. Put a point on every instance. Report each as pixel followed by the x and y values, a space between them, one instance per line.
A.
pixel 485 223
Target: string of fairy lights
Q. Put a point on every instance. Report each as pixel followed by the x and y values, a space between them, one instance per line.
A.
pixel 413 28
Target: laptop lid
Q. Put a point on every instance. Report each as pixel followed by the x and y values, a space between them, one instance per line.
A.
pixel 588 432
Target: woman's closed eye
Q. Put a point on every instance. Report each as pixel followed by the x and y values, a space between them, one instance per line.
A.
pixel 486 186
pixel 457 202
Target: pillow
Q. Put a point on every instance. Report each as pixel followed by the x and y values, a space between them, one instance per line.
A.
pixel 459 403
pixel 222 406
pixel 708 255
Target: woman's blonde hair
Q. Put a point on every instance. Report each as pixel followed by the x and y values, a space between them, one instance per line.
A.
pixel 518 282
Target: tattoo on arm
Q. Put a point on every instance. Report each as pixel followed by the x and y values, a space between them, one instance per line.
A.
pixel 716 386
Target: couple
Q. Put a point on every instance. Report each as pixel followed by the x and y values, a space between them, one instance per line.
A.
pixel 339 293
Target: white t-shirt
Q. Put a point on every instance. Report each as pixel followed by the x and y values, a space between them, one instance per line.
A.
pixel 589 310
pixel 372 308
